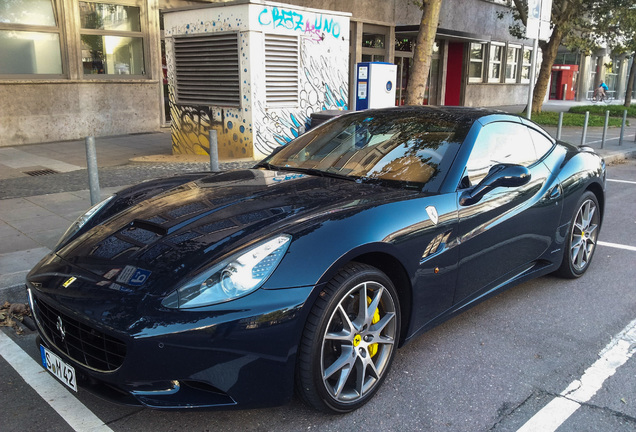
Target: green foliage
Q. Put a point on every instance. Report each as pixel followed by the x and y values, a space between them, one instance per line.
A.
pixel 570 119
pixel 615 23
pixel 615 110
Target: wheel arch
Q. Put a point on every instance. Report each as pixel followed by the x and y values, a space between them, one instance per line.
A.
pixel 395 270
pixel 597 190
pixel 392 267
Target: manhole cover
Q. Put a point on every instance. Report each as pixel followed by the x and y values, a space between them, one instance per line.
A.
pixel 41 172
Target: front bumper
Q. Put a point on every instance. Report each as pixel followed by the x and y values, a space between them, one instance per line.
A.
pixel 244 357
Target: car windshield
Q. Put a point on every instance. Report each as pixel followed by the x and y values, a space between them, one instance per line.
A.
pixel 404 147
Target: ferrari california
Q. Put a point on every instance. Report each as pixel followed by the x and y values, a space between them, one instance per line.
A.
pixel 308 271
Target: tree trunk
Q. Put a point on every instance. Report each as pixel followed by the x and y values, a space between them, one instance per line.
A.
pixel 549 55
pixel 416 88
pixel 630 83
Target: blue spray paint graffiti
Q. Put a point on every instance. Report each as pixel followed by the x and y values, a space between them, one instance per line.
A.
pixel 324 85
pixel 295 21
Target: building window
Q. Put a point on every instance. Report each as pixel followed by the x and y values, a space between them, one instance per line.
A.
pixel 495 60
pixel 374 46
pixel 281 70
pixel 526 64
pixel 476 66
pixel 111 39
pixel 207 70
pixel 512 63
pixel 29 38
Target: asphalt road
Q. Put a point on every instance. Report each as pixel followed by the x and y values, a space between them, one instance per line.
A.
pixel 490 369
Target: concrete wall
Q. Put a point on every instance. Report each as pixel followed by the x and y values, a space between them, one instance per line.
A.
pixel 484 95
pixel 45 112
pixel 469 16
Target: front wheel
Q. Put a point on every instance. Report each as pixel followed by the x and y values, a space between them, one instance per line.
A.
pixel 349 340
pixel 582 237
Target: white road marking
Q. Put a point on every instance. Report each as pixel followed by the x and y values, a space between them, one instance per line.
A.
pixel 558 410
pixel 621 181
pixel 616 245
pixel 67 406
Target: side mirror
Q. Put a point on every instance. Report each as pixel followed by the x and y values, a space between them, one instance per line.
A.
pixel 501 175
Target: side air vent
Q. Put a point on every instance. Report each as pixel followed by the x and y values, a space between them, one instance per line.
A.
pixel 207 70
pixel 281 70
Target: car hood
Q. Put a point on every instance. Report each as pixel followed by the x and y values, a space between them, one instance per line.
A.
pixel 152 246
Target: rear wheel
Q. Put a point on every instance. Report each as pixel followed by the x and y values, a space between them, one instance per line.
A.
pixel 582 237
pixel 349 340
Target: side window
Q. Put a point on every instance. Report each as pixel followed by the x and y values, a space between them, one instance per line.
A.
pixel 542 144
pixel 499 143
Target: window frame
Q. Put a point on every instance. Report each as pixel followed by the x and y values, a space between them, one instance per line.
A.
pixel 514 64
pixel 524 65
pixel 34 28
pixel 142 34
pixel 472 60
pixel 492 61
pixel 376 54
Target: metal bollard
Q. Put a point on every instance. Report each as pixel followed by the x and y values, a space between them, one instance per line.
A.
pixel 560 126
pixel 605 129
pixel 93 176
pixel 214 151
pixel 620 141
pixel 584 136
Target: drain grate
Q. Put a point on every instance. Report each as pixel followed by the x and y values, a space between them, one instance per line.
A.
pixel 41 172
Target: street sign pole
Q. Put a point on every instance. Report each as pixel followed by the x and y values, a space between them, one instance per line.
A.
pixel 533 67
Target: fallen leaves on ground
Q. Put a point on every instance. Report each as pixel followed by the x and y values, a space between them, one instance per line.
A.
pixel 13 314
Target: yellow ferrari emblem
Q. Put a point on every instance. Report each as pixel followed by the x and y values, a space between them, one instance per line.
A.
pixel 69 281
pixel 356 340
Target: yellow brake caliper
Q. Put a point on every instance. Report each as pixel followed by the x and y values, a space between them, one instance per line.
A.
pixel 373 348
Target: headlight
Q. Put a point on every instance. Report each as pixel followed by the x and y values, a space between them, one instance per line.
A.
pixel 81 221
pixel 233 277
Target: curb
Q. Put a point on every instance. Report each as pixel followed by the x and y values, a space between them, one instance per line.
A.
pixel 619 157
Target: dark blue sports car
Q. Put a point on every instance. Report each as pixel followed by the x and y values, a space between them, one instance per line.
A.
pixel 309 270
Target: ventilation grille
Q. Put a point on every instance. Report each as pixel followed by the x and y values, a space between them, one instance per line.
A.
pixel 281 70
pixel 207 70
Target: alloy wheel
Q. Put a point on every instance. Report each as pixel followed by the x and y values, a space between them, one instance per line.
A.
pixel 358 342
pixel 584 235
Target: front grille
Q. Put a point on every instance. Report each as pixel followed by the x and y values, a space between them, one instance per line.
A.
pixel 82 343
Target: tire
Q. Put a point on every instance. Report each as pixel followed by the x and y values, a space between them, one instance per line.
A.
pixel 349 340
pixel 582 236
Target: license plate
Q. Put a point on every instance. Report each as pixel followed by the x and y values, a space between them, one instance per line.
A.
pixel 61 370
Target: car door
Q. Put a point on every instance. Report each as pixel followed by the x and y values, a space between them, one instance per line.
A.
pixel 509 228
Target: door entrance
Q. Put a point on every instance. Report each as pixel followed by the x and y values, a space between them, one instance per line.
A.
pixel 454 74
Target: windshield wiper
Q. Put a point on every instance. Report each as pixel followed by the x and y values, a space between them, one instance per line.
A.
pixel 316 172
pixel 266 165
pixel 310 171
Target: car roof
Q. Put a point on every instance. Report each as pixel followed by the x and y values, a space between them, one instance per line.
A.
pixel 459 112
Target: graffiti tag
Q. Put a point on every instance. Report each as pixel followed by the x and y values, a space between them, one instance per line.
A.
pixel 295 21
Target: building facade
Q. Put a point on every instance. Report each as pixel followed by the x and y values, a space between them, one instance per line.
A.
pixel 72 68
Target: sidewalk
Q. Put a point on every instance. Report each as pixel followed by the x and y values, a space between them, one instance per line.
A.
pixel 36 210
